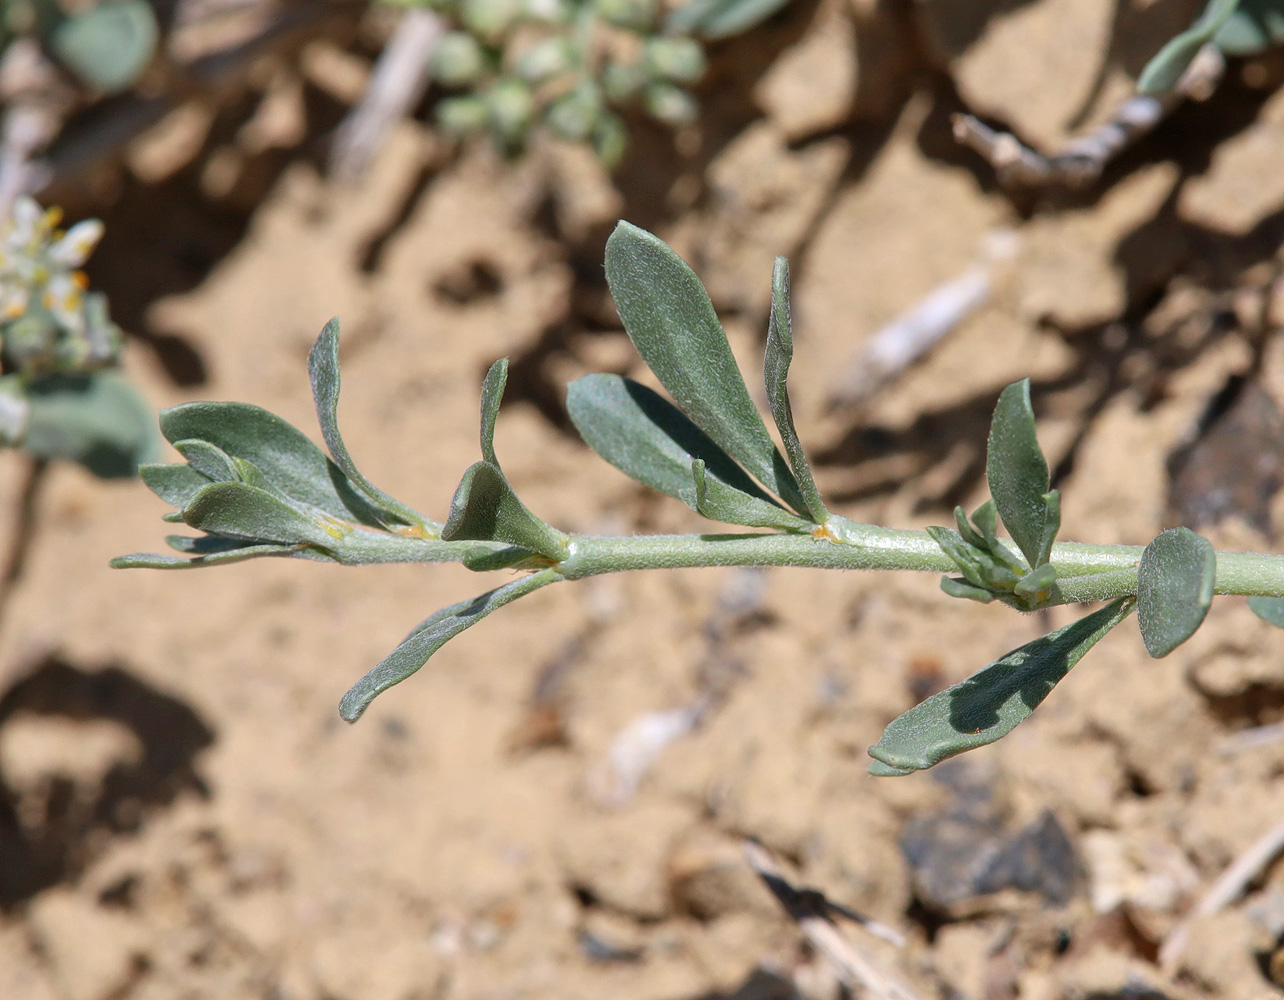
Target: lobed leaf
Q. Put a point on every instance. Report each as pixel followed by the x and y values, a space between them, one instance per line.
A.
pixel 1166 68
pixel 1018 476
pixel 430 635
pixel 668 315
pixel 1174 588
pixel 995 699
pixel 296 466
pixel 648 438
pixel 485 508
pixel 780 353
pixel 323 370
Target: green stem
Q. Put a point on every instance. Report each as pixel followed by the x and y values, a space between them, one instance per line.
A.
pixel 1084 572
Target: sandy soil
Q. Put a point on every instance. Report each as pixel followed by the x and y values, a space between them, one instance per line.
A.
pixel 182 813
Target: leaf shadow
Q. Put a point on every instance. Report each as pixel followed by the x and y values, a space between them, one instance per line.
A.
pixel 72 823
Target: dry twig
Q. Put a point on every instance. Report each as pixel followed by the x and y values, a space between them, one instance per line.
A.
pixel 1232 883
pixel 1083 159
pixel 814 916
pixel 400 79
pixel 916 331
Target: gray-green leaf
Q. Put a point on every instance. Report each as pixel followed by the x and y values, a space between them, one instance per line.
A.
pixel 669 317
pixel 1018 476
pixel 719 502
pixel 1174 588
pixel 109 46
pixel 780 353
pixel 238 510
pixel 720 18
pixel 430 635
pixel 491 396
pixel 995 699
pixel 98 420
pixel 1269 609
pixel 323 369
pixel 1165 69
pixel 485 508
pixel 296 466
pixel 647 437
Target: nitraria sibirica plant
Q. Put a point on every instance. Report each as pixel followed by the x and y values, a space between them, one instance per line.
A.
pixel 256 486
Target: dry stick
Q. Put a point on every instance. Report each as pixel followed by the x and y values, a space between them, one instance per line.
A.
pixel 1085 158
pixel 400 79
pixel 913 333
pixel 1224 891
pixel 813 914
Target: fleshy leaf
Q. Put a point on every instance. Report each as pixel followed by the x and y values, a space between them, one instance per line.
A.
pixel 98 420
pixel 175 484
pixel 1165 69
pixel 1256 26
pixel 647 437
pixel 995 699
pixel 485 508
pixel 1174 588
pixel 108 46
pixel 323 369
pixel 1018 475
pixel 430 635
pixel 229 554
pixel 780 353
pixel 209 460
pixel 1269 609
pixel 491 396
pixel 237 510
pixel 296 466
pixel 668 315
pixel 719 502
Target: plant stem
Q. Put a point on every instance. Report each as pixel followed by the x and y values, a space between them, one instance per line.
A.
pixel 1084 572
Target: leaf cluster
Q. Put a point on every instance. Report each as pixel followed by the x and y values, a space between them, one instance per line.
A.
pixel 258 487
pixel 574 67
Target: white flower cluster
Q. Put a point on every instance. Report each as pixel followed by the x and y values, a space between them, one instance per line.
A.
pixel 48 321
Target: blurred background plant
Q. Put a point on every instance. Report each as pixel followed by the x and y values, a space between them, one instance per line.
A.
pixel 60 393
pixel 572 65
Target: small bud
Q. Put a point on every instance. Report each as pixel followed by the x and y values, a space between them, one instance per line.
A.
pixel 609 141
pixel 459 60
pixel 669 104
pixel 460 116
pixel 622 82
pixel 550 11
pixel 511 108
pixel 573 116
pixel 636 14
pixel 546 59
pixel 491 19
pixel 678 59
